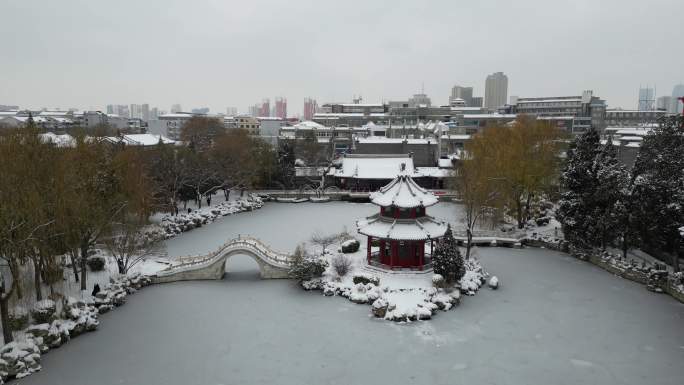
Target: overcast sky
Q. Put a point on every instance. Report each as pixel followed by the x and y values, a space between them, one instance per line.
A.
pixel 216 53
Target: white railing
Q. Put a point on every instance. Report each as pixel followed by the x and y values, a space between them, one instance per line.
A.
pixel 247 243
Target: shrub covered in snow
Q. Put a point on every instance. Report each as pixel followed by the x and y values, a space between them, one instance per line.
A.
pixel 438 281
pixel 474 277
pixel 350 246
pixel 44 311
pixel 341 263
pixel 307 268
pixel 365 279
pixel 18 318
pixel 96 263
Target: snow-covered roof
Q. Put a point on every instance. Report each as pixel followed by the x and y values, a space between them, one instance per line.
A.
pixel 140 140
pixel 374 166
pixel 347 114
pixel 147 139
pixel 403 192
pixel 489 116
pixel 383 139
pixel 308 125
pixel 567 117
pixel 362 104
pixel 433 172
pixel 634 131
pixel 550 100
pixel 64 140
pixel 445 163
pixel 631 138
pixel 456 137
pixel 54 113
pixel 401 229
pixel 179 115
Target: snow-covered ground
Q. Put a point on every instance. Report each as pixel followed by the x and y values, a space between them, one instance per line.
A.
pixel 393 295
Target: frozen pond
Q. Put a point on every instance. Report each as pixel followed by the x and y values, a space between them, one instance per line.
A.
pixel 555 320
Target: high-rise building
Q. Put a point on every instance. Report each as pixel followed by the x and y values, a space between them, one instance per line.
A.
pixel 310 107
pixel 418 100
pixel 110 109
pixel 281 108
pixel 200 111
pixel 254 110
pixel 154 113
pixel 265 110
pixel 465 93
pixel 136 111
pixel 145 112
pixel 476 101
pixel 176 108
pixel 120 110
pixel 677 92
pixel 496 90
pixel 665 103
pixel 231 111
pixel 646 99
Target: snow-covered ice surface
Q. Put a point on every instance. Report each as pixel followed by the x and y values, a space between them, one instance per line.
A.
pixel 555 320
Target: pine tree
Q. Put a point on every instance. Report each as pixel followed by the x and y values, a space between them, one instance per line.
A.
pixel 447 260
pixel 658 179
pixel 611 178
pixel 593 206
pixel 574 212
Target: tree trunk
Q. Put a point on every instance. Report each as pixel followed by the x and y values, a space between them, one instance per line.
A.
pixel 625 247
pixel 121 265
pixel 4 316
pixel 469 242
pixel 675 261
pixel 527 207
pixel 519 213
pixel 84 259
pixel 73 265
pixel 36 279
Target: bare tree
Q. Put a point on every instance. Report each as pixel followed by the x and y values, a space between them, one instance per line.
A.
pixel 130 245
pixel 342 264
pixel 324 240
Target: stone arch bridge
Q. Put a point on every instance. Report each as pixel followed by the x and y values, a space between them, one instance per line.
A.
pixel 272 264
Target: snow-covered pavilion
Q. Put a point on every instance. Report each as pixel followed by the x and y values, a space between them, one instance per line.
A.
pixel 402 228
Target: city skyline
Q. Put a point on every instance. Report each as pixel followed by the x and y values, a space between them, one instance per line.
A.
pixel 337 62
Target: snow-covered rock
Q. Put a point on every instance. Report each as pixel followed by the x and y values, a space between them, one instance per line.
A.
pixel 19 359
pixel 494 283
pixel 44 310
pixel 172 225
pixel 379 307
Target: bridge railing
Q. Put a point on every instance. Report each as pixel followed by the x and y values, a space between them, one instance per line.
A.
pixel 247 242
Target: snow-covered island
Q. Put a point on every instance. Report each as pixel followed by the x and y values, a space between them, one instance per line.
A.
pixel 394 272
